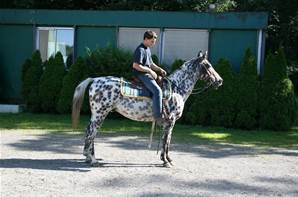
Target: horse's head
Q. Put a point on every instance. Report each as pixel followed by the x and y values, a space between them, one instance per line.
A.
pixel 206 71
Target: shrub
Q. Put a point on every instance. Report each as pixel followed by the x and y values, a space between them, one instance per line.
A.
pixel 77 72
pixel 215 107
pixel 197 107
pixel 293 75
pixel 277 104
pixel 25 67
pixel 110 61
pixel 32 71
pixel 155 59
pixel 176 64
pixel 222 109
pixel 247 96
pixel 51 83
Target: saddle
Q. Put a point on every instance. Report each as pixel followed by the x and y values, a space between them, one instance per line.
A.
pixel 135 88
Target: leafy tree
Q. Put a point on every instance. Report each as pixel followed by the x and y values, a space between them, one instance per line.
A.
pixel 32 71
pixel 162 5
pixel 51 83
pixel 283 23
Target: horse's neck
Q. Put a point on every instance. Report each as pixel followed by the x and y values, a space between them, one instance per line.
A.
pixel 185 78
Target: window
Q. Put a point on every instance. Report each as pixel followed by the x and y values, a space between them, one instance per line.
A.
pixel 50 40
pixel 183 44
pixel 130 38
pixel 171 44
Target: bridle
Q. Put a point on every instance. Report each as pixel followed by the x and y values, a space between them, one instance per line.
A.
pixel 195 90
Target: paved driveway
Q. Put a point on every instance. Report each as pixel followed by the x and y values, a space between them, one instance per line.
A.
pixel 41 164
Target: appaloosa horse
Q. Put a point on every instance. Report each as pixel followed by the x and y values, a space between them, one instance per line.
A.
pixel 105 95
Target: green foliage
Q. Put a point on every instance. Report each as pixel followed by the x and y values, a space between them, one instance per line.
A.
pixel 51 83
pixel 110 61
pixel 162 5
pixel 155 59
pixel 32 71
pixel 25 67
pixel 224 99
pixel 283 23
pixel 197 108
pixel 215 107
pixel 293 75
pixel 247 96
pixel 77 73
pixel 277 104
pixel 176 64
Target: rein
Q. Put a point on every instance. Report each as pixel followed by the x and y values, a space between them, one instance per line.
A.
pixel 195 91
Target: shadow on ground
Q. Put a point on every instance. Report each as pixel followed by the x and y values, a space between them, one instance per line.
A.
pixel 46 164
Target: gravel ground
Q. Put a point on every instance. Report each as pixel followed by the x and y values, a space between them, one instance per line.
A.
pixel 40 164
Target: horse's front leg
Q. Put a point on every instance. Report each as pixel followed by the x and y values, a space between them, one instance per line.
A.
pixel 166 140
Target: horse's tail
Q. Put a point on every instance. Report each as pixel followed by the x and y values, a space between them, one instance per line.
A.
pixel 78 99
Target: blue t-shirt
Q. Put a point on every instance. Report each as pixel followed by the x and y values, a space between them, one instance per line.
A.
pixel 142 55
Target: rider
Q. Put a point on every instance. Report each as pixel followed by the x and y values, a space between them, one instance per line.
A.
pixel 145 70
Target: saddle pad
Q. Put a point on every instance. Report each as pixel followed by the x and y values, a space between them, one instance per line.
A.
pixel 132 90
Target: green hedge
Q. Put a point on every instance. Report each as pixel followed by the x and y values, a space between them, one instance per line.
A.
pixel 277 99
pixel 247 94
pixel 30 87
pixel 77 73
pixel 245 100
pixel 51 83
pixel 110 61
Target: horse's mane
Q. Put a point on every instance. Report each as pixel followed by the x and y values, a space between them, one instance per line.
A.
pixel 183 67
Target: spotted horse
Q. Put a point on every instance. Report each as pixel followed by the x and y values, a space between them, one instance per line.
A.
pixel 105 96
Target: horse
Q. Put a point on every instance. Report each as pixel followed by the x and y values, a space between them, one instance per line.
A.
pixel 105 96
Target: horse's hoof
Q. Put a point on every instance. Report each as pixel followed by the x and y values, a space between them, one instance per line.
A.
pixel 172 164
pixel 87 160
pixel 167 165
pixel 95 164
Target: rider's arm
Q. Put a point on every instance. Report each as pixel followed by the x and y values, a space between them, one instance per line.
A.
pixel 156 68
pixel 145 69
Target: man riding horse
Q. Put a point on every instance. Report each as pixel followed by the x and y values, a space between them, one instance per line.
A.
pixel 145 70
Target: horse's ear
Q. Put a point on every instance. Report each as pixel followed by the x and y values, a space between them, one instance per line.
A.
pixel 200 54
pixel 205 56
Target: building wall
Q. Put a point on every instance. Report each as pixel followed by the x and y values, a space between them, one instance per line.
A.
pixel 231 45
pixel 228 34
pixel 16 43
pixel 92 37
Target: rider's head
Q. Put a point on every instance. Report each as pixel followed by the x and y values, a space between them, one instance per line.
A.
pixel 149 38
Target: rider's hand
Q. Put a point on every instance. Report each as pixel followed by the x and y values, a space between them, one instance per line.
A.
pixel 163 72
pixel 153 74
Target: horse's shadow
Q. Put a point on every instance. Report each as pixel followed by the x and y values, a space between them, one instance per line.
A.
pixel 128 165
pixel 77 165
pixel 46 164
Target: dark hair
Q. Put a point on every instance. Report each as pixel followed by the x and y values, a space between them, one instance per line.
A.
pixel 149 34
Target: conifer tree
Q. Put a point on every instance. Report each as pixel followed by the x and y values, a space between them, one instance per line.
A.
pixel 32 71
pixel 247 96
pixel 77 72
pixel 51 83
pixel 278 104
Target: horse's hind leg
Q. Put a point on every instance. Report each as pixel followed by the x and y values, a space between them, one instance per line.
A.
pixel 91 131
pixel 89 152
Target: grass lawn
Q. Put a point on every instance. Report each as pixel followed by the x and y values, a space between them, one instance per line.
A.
pixel 182 133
